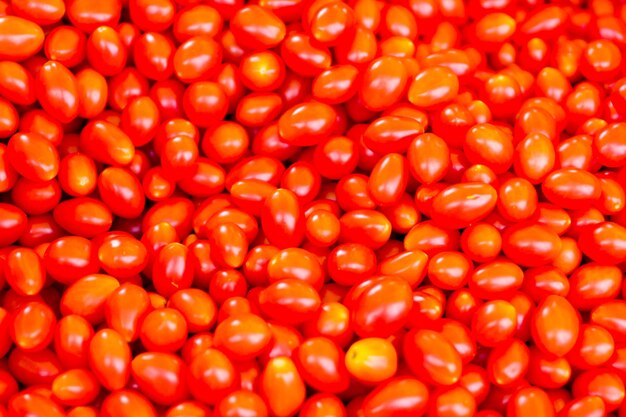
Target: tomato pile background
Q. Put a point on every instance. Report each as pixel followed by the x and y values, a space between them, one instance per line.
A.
pixel 312 208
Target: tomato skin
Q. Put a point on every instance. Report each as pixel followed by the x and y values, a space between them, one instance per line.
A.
pixel 371 360
pixel 530 400
pixel 281 377
pixel 367 227
pixel 608 315
pixel 163 330
pixel 518 244
pixel 282 218
pixel 312 208
pixel 460 205
pixel 110 358
pixel 24 271
pixel 83 216
pixel 429 158
pixel 289 301
pixel 593 284
pixel 125 308
pixel 602 243
pixel 432 87
pixel 87 296
pixel 410 265
pixel 161 377
pixel 33 404
pixel 212 371
pixel 21 38
pixel 432 357
pixel 73 335
pixel 605 384
pixel 494 322
pixel 33 156
pixel 306 124
pixel 121 191
pixel 571 188
pixel 172 269
pixel 545 331
pixel 242 336
pixel 32 327
pixel 588 405
pixel 497 279
pixel 75 387
pixel 125 403
pixel 241 402
pixel 388 399
pixel 70 258
pixel 388 179
pixel 391 134
pixel 57 91
pixel 382 307
pixel 196 306
pixel 105 142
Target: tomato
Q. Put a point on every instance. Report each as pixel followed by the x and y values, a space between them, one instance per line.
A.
pixel 289 301
pixel 125 403
pixel 72 338
pixel 110 358
pixel 21 38
pixel 75 387
pixel 242 336
pixel 32 327
pixel 282 387
pixel 372 360
pixel 283 219
pixel 487 144
pixel 553 337
pixel 602 383
pixel 34 404
pixel 160 376
pixel 312 208
pixel 33 156
pixel 241 402
pixel 460 205
pixel 530 400
pixel 496 279
pixel 196 306
pixel 494 322
pixel 602 243
pixel 530 244
pixel 433 86
pixel 24 271
pixel 432 357
pixel 87 296
pixel 398 395
pixel 571 188
pixel 163 330
pixel 381 306
pixel 211 371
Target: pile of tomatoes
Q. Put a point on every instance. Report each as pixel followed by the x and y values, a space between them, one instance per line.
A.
pixel 312 208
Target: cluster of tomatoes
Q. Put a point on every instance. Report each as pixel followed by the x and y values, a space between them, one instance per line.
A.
pixel 312 208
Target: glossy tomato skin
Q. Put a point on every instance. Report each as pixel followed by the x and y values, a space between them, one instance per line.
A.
pixel 545 330
pixel 460 205
pixel 110 358
pixel 242 336
pixel 279 377
pixel 381 307
pixel 387 399
pixel 312 208
pixel 161 377
pixel 320 363
pixel 432 357
pixel 212 370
